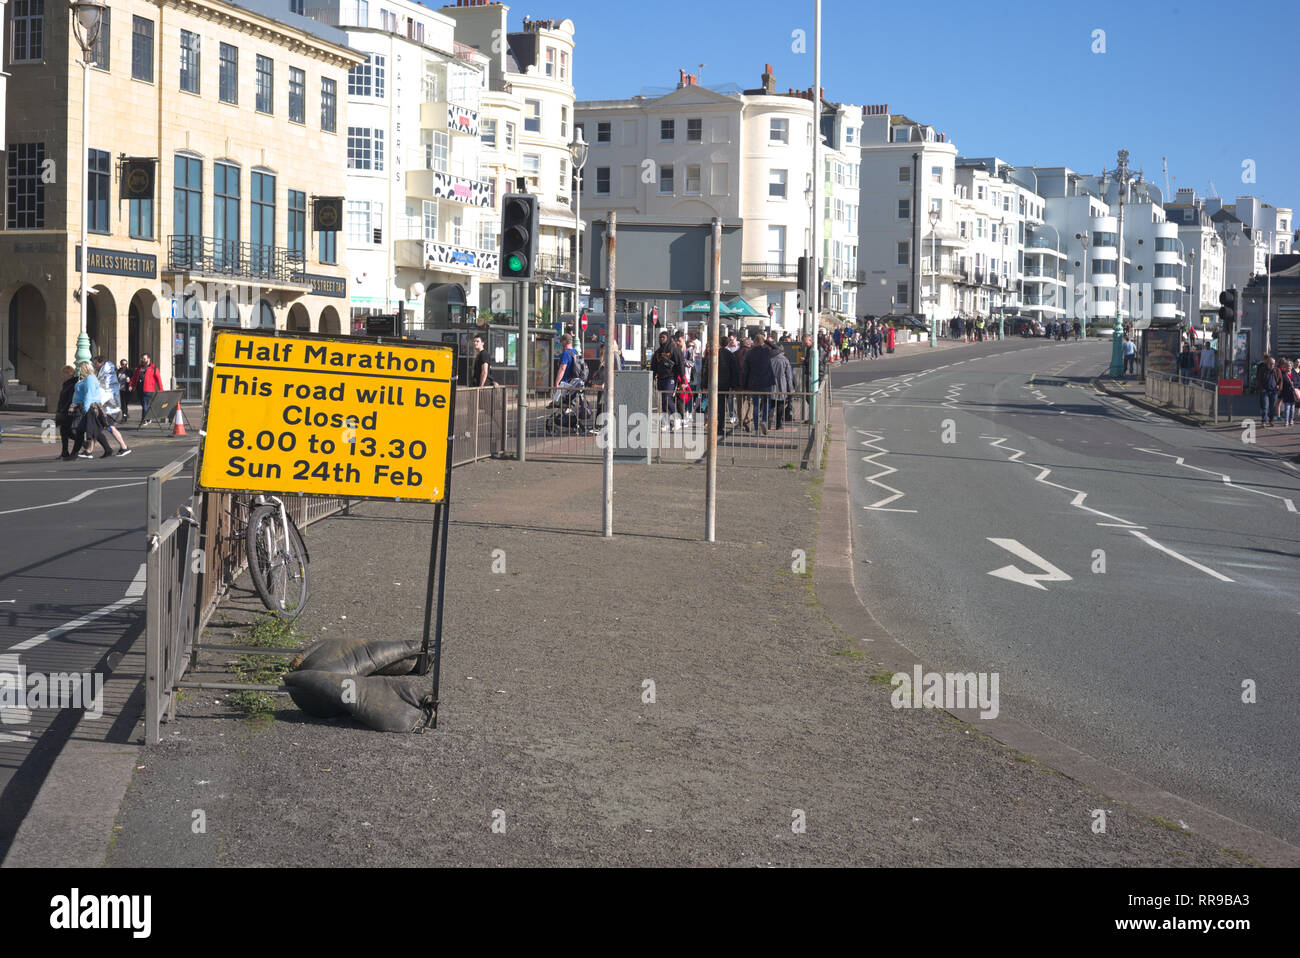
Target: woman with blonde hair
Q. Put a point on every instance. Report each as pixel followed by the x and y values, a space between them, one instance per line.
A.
pixel 88 413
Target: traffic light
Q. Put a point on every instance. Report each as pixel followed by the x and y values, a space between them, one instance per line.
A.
pixel 1228 308
pixel 519 229
pixel 803 273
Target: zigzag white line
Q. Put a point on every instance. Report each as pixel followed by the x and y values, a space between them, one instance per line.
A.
pixel 953 395
pixel 874 443
pixel 1227 480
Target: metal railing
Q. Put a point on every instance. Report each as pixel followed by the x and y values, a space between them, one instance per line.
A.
pixel 1197 396
pixel 207 254
pixel 770 270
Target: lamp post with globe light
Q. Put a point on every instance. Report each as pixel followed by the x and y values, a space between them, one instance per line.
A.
pixel 578 154
pixel 87 19
pixel 934 275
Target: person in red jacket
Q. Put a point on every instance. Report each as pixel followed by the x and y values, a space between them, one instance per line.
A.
pixel 149 382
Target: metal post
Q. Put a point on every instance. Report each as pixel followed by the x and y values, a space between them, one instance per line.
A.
pixel 1117 334
pixel 83 340
pixel 711 483
pixel 814 284
pixel 1268 294
pixel 577 255
pixel 611 231
pixel 521 353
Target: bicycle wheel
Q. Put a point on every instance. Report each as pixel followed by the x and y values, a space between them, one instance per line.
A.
pixel 279 574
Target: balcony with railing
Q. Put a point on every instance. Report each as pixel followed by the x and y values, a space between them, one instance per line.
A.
pixel 769 270
pixel 233 260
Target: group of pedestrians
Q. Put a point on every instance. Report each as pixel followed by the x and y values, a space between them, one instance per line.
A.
pixel 970 330
pixel 1278 390
pixel 93 400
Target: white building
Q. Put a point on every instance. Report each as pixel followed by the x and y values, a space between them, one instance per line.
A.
pixel 907 169
pixel 1205 253
pixel 526 131
pixel 1249 229
pixel 841 189
pixel 417 208
pixel 694 153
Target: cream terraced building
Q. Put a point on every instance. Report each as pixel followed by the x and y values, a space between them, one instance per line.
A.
pixel 243 107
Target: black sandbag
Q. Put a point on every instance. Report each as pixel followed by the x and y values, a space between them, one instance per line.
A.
pixel 394 703
pixel 362 656
pixel 318 694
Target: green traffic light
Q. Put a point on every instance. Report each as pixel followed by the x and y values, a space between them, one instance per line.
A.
pixel 515 263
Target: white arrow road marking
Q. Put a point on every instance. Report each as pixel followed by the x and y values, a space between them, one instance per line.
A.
pixel 67 502
pixel 1011 573
pixel 1227 479
pixel 874 443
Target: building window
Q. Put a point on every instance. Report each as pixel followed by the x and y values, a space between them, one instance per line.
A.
pixel 602 131
pixel 28 25
pixel 437 147
pixel 329 246
pixel 900 294
pixel 299 7
pixel 261 232
pixel 936 174
pixel 189 62
pixel 602 181
pixel 265 85
pixel 487 133
pixel 429 220
pixel 532 167
pixel 666 178
pixel 187 196
pixel 565 185
pixel 26 192
pixel 550 62
pixel 564 65
pixel 667 131
pixel 365 223
pixel 99 53
pixel 140 213
pixel 510 136
pixel 367 79
pixel 693 178
pixel 778 131
pixel 97 194
pixel 694 130
pixel 141 48
pixel 415 30
pixel 936 206
pixel 564 123
pixel 532 116
pixel 776 184
pixel 387 21
pixel 297 95
pixel 228 73
pixel 366 148
pixel 298 224
pixel 904 174
pixel 226 224
pixel 904 209
pixel 487 235
pixel 328 104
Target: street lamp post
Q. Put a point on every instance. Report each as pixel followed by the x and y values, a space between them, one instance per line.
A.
pixel 934 276
pixel 87 18
pixel 1268 293
pixel 578 155
pixel 1123 175
pixel 1002 306
pixel 1085 239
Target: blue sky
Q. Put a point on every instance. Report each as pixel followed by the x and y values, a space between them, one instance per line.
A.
pixel 1208 88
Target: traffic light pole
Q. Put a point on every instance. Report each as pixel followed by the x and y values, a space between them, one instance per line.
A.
pixel 521 352
pixel 711 483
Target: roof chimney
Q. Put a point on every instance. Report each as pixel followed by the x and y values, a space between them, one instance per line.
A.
pixel 768 80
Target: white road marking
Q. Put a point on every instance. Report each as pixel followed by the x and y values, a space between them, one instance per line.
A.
pixel 86 478
pixel 1181 558
pixel 1048 573
pixel 1079 498
pixel 874 443
pixel 1227 480
pixel 67 502
pixel 134 593
pixel 953 395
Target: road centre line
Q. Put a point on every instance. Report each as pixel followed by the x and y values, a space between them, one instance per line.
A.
pixel 67 502
pixel 1227 480
pixel 1181 558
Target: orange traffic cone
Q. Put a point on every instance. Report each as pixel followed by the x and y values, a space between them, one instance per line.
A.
pixel 178 429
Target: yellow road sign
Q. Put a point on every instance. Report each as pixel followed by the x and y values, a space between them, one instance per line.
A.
pixel 327 416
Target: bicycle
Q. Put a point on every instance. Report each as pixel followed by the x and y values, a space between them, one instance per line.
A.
pixel 277 557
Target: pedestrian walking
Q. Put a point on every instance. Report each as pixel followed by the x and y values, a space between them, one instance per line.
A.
pixel 1129 349
pixel 668 367
pixel 1269 380
pixel 124 388
pixel 62 416
pixel 1286 392
pixel 783 373
pixel 87 411
pixel 758 376
pixel 482 375
pixel 106 372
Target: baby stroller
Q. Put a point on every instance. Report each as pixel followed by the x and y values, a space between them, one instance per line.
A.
pixel 573 414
